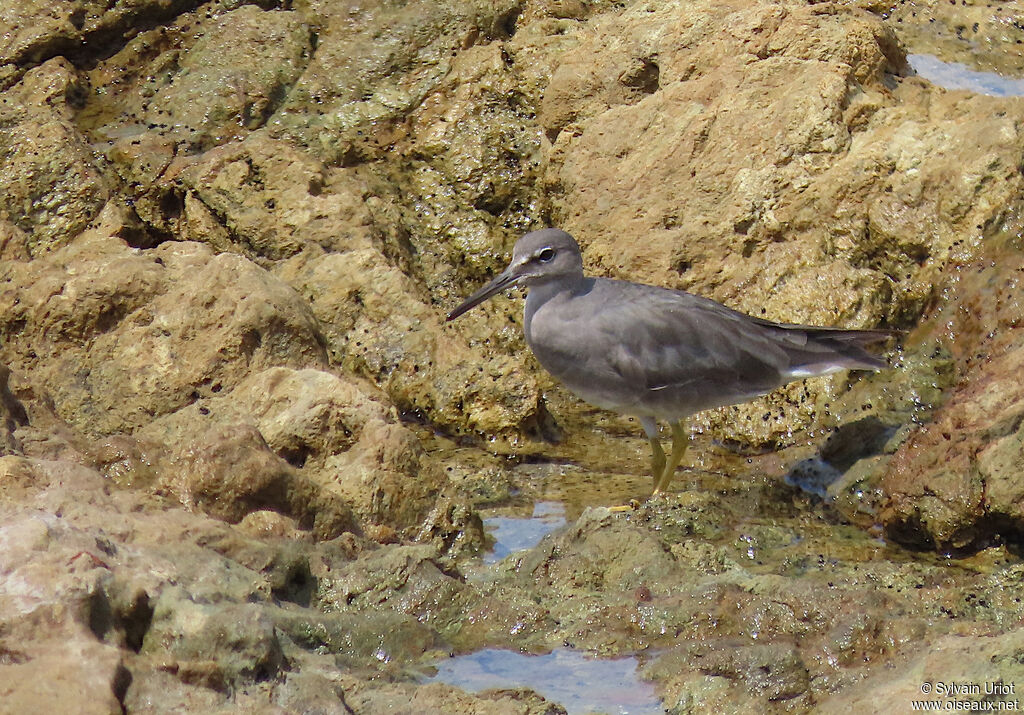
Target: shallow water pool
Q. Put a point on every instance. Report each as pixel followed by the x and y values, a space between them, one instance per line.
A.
pixel 512 534
pixel 953 75
pixel 581 684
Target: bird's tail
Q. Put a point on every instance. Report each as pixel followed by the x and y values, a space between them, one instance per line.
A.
pixel 828 350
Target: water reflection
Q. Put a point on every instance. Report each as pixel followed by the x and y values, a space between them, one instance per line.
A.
pixel 512 534
pixel 953 75
pixel 578 683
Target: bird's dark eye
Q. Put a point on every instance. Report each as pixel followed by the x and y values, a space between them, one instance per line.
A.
pixel 545 255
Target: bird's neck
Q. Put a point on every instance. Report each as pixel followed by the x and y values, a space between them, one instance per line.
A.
pixel 540 292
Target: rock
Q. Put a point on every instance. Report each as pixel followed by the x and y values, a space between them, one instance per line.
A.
pixel 146 334
pixel 402 576
pixel 129 462
pixel 230 232
pixel 306 416
pixel 602 101
pixel 50 187
pixel 13 242
pixel 228 645
pixel 39 30
pixel 234 76
pixel 171 687
pixel 360 638
pixel 363 81
pixel 454 528
pixel 601 554
pixel 377 328
pixel 742 223
pixel 269 524
pixel 876 417
pixel 985 661
pixel 54 601
pixel 476 156
pixel 769 673
pixel 320 441
pixel 194 88
pixel 133 598
pixel 377 320
pixel 975 34
pixel 266 198
pixel 772 671
pixel 52 678
pixel 12 414
pixel 955 483
pixel 230 472
pixel 439 697
pixel 416 581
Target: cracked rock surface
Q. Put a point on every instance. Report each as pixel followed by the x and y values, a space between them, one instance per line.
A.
pixel 246 465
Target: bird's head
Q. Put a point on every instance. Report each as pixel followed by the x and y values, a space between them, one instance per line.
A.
pixel 538 257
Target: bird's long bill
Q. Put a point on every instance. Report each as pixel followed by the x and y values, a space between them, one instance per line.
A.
pixel 503 280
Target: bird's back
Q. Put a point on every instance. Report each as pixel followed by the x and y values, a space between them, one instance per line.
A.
pixel 652 351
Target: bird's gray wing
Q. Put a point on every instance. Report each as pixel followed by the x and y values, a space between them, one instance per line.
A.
pixel 690 348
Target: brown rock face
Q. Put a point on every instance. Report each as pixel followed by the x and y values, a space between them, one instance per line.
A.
pixel 244 460
pixel 122 325
pixel 306 442
pixel 51 186
pixel 957 481
pixel 12 415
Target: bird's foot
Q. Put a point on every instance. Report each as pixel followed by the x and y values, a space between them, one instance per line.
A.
pixel 631 505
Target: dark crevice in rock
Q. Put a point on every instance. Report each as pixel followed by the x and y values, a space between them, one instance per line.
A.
pixel 541 425
pixel 144 236
pixel 993 530
pixel 296 456
pixel 277 96
pixel 646 77
pixel 103 42
pixel 136 621
pixel 299 585
pixel 100 615
pixel 13 410
pixel 506 22
pixel 132 618
pixel 910 533
pixel 10 656
pixel 492 203
pixel 853 441
pixel 341 698
pixel 989 531
pixel 121 682
pixel 172 205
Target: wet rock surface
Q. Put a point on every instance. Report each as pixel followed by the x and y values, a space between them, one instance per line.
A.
pixel 244 460
pixel 984 35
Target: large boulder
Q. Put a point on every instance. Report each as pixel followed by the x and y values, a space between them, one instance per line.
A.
pixel 118 337
pixel 50 187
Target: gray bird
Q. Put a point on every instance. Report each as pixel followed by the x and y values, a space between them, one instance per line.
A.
pixel 656 353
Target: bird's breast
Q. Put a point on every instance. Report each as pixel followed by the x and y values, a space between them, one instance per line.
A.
pixel 569 349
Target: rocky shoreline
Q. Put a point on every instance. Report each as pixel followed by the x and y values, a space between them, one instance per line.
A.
pixel 245 461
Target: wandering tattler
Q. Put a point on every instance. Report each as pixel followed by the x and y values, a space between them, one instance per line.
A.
pixel 657 353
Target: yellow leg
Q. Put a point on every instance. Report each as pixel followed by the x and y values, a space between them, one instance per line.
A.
pixel 680 441
pixel 662 468
pixel 657 459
